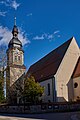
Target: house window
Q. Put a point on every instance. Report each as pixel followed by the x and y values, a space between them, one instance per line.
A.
pixel 75 85
pixel 48 85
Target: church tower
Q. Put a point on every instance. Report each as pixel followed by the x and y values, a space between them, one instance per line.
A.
pixel 15 61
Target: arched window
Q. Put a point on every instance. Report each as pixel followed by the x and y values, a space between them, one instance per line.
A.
pixel 48 85
pixel 75 85
pixel 19 58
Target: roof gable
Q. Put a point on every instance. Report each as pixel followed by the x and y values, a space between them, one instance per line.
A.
pixel 48 65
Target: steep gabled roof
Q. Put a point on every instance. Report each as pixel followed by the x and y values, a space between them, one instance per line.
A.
pixel 76 72
pixel 48 65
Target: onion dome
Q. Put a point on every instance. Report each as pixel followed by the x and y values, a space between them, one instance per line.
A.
pixel 15 42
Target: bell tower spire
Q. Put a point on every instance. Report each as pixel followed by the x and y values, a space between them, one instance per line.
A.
pixel 15 29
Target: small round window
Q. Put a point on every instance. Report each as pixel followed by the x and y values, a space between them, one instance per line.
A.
pixel 75 85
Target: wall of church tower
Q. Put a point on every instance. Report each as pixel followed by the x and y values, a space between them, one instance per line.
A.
pixel 15 71
pixel 18 57
pixel 15 74
pixel 9 57
pixel 15 56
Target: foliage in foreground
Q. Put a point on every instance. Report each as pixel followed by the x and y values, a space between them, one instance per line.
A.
pixel 32 90
pixel 2 99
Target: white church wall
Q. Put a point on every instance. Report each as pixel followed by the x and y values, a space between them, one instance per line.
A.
pixel 70 88
pixel 76 82
pixel 65 71
pixel 45 96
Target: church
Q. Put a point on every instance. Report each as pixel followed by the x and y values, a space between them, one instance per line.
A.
pixel 58 72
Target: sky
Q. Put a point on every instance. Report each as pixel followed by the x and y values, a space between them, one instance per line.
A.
pixel 43 25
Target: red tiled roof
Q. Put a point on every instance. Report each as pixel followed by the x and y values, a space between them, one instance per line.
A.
pixel 48 65
pixel 77 69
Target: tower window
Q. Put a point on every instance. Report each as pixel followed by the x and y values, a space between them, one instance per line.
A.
pixel 15 58
pixel 48 85
pixel 18 57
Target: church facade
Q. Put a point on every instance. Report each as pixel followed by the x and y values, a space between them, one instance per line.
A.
pixel 59 73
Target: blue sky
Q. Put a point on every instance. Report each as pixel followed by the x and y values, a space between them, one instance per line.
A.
pixel 43 24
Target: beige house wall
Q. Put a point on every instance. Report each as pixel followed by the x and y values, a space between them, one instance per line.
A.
pixel 65 71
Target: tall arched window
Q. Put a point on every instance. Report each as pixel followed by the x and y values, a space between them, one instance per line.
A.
pixel 48 85
pixel 19 58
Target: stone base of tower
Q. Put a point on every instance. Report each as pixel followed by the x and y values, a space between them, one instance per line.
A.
pixel 14 82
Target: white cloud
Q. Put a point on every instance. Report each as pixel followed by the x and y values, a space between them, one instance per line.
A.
pixel 57 31
pixel 39 37
pixel 5 36
pixel 59 36
pixel 5 3
pixel 3 13
pixel 15 5
pixel 47 36
pixel 51 36
pixel 30 14
pixel 23 37
pixel 11 3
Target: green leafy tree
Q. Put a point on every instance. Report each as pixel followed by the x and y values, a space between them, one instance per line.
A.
pixel 2 68
pixel 32 90
pixel 3 58
pixel 2 98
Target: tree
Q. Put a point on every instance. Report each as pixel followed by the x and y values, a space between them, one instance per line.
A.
pixel 16 90
pixel 3 57
pixel 2 68
pixel 32 90
pixel 2 98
